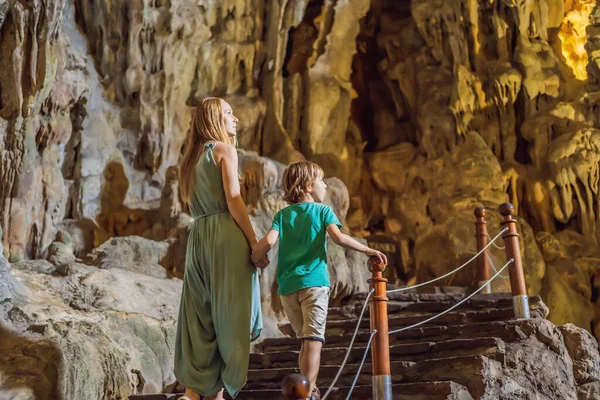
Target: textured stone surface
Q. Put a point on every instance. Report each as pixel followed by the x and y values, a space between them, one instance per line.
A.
pixel 499 359
pixel 418 111
pixel 583 350
pixel 90 334
pixel 396 99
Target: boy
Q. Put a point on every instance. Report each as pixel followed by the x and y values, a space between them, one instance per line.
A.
pixel 302 272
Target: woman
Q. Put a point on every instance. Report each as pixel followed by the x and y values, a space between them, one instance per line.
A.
pixel 220 303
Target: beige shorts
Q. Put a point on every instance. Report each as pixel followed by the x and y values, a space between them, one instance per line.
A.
pixel 307 311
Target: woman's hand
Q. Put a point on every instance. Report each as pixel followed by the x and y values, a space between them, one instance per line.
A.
pixel 260 250
pixel 255 257
pixel 260 262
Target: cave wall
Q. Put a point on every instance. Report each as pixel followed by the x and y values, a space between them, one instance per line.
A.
pixel 424 109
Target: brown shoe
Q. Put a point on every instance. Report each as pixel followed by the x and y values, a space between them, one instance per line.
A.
pixel 315 395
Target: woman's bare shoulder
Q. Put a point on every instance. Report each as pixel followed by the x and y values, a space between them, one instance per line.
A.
pixel 224 150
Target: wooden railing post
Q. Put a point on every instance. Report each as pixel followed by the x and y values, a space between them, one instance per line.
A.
pixel 295 387
pixel 515 269
pixel 380 346
pixel 483 264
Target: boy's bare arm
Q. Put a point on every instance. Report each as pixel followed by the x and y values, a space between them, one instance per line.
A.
pixel 260 249
pixel 341 239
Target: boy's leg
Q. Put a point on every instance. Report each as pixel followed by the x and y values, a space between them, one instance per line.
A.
pixel 293 311
pixel 310 360
pixel 306 310
pixel 314 302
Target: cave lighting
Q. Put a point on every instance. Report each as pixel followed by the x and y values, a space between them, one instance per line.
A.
pixel 573 35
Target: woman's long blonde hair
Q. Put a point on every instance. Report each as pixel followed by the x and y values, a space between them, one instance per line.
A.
pixel 208 124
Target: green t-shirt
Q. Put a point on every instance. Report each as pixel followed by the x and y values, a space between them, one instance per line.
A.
pixel 302 261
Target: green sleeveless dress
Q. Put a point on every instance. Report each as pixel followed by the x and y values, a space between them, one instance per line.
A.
pixel 220 310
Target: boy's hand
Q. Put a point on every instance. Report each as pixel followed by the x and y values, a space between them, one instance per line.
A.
pixel 255 257
pixel 372 252
pixel 259 261
pixel 263 262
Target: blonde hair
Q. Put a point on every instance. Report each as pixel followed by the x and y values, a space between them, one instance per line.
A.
pixel 296 178
pixel 208 124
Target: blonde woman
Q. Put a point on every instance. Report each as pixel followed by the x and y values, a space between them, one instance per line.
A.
pixel 220 303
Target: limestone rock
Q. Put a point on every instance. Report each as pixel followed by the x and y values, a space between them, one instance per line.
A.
pixel 61 251
pixel 39 266
pixel 11 290
pixel 588 391
pixel 528 358
pixel 132 253
pixel 99 329
pixel 582 348
pixel 418 112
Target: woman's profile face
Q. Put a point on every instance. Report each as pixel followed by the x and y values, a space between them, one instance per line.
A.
pixel 230 119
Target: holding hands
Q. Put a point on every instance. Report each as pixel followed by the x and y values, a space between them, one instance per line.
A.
pixel 259 258
pixel 260 249
pixel 258 261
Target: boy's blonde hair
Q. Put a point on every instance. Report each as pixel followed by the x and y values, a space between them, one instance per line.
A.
pixel 208 124
pixel 296 178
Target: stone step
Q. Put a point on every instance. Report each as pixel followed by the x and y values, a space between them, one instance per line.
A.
pixel 455 356
pixel 508 331
pixel 488 346
pixel 412 296
pixel 470 371
pixel 437 390
pixel 415 305
pixel 341 327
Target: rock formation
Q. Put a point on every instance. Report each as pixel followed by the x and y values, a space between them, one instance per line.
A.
pixel 418 111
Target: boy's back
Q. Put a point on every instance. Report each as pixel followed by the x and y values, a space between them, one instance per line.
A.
pixel 302 261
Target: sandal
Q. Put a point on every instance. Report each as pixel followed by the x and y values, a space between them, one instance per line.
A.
pixel 315 395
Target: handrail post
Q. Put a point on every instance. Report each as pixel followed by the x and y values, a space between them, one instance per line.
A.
pixel 515 269
pixel 380 346
pixel 483 264
pixel 295 387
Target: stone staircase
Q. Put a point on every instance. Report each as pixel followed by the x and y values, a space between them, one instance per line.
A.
pixel 452 357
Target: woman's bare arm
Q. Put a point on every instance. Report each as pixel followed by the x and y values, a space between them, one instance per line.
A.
pixel 227 159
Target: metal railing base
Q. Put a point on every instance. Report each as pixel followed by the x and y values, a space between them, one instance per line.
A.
pixel 488 287
pixel 382 387
pixel 521 306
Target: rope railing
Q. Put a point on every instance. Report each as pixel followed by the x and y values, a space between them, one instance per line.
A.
pixel 454 306
pixel 381 376
pixel 350 346
pixel 495 245
pixel 494 267
pixel 378 341
pixel 415 325
pixel 454 270
pixel 487 256
pixel 361 363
